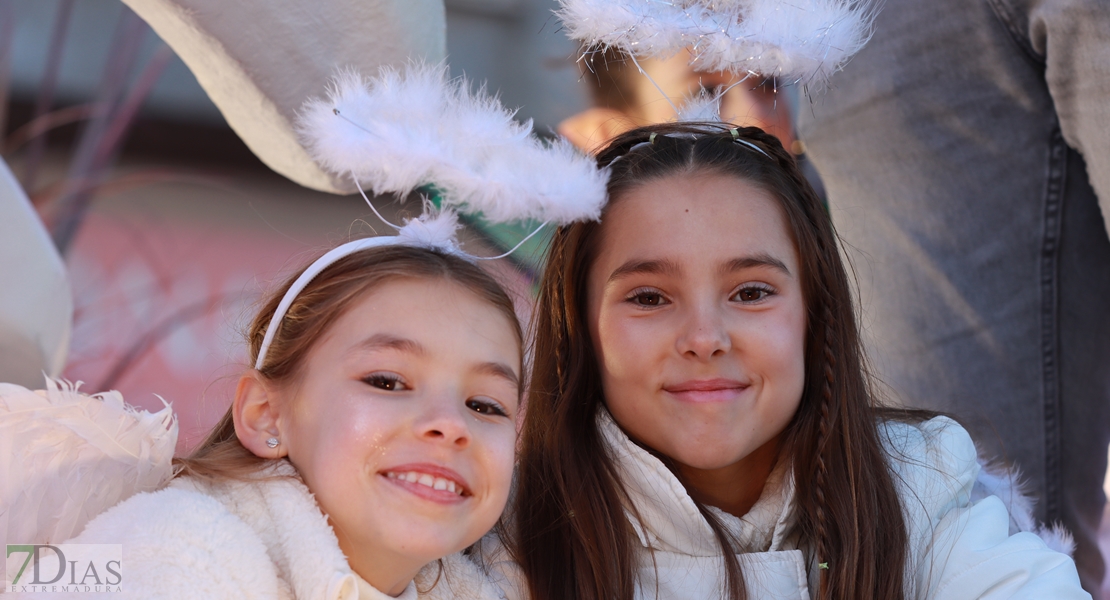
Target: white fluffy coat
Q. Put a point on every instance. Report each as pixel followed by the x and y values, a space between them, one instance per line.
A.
pixel 264 539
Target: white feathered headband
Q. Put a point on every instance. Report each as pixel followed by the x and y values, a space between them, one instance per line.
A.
pixel 803 41
pixel 406 129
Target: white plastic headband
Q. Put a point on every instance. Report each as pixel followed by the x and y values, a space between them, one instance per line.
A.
pixel 309 274
pixel 349 248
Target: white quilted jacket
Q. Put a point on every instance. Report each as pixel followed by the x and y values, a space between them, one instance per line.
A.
pixel 963 542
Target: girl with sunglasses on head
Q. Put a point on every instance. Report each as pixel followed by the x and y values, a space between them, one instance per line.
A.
pixel 700 422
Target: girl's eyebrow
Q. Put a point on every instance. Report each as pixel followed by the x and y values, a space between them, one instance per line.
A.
pixel 385 341
pixel 668 267
pixel 499 370
pixel 640 267
pixel 757 260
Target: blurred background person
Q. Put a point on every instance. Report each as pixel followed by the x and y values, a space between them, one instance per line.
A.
pixel 624 99
pixel 966 152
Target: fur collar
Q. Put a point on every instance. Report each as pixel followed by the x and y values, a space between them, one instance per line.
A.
pixel 297 536
pixel 304 550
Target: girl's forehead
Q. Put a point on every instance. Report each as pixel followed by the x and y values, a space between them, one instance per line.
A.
pixel 697 214
pixel 423 315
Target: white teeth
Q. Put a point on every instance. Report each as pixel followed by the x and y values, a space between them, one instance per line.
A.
pixel 436 483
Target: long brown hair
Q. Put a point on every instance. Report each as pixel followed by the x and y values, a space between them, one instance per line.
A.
pixel 570 533
pixel 323 301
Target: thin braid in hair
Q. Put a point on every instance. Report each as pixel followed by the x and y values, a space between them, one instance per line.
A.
pixel 822 450
pixel 558 302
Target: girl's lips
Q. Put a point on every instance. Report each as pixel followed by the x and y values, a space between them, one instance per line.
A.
pixel 706 390
pixel 431 482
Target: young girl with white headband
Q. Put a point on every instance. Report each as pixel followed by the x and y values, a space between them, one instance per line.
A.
pixel 700 422
pixel 373 437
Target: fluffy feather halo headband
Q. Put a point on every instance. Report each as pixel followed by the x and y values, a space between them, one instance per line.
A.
pixel 405 129
pixel 802 41
pixel 410 128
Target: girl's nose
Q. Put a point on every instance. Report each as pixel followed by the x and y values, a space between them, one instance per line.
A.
pixel 444 424
pixel 705 334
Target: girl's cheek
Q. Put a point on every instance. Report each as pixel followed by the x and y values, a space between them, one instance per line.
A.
pixel 633 331
pixel 502 461
pixel 499 442
pixel 784 333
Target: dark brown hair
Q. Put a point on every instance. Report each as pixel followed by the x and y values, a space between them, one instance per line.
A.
pixel 335 290
pixel 570 533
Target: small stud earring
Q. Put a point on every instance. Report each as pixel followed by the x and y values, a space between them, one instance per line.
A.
pixel 272 442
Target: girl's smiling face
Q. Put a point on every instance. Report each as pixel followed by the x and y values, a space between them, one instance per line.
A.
pixel 403 425
pixel 696 313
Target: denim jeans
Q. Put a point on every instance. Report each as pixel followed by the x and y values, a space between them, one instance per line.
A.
pixel 959 149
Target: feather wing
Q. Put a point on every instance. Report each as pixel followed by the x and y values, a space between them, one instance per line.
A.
pixel 66 457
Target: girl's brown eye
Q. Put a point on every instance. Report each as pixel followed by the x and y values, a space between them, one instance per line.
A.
pixel 649 299
pixel 751 294
pixel 485 407
pixel 384 381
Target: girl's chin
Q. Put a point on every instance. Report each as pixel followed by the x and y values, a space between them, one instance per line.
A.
pixel 426 535
pixel 423 547
pixel 697 458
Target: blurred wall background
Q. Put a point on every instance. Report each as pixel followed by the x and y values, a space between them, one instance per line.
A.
pixel 182 229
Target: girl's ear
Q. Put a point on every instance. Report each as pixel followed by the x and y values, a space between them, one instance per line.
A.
pixel 255 412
